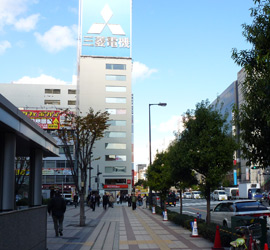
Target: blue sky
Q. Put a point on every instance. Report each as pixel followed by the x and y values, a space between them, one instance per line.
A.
pixel 181 51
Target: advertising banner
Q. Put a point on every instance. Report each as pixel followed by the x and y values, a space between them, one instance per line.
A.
pixel 46 119
pixel 106 28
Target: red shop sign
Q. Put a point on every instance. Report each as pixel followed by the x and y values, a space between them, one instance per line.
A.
pixel 128 181
pixel 116 186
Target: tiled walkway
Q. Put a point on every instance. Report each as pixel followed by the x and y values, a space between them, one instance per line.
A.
pixel 122 228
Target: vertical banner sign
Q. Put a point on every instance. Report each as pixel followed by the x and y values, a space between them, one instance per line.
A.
pixel 106 28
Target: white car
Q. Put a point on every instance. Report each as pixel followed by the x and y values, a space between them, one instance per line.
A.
pixel 219 195
pixel 223 211
pixel 196 194
pixel 187 195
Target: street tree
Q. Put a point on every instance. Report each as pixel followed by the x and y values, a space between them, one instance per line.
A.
pixel 82 132
pixel 253 115
pixel 182 175
pixel 208 147
pixel 159 176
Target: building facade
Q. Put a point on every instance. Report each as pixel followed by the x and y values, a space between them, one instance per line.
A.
pixel 104 83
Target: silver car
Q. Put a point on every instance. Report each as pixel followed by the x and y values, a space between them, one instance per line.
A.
pixel 223 211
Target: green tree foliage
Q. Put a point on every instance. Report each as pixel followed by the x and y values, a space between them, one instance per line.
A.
pixel 181 173
pixel 253 116
pixel 159 176
pixel 207 147
pixel 82 132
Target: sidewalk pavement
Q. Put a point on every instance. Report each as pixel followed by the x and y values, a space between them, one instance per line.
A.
pixel 121 227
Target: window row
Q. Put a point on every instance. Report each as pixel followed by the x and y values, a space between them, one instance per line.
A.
pixel 113 134
pixel 58 91
pixel 116 89
pixel 115 66
pixel 115 77
pixel 116 111
pixel 49 179
pixel 119 169
pixel 116 100
pixel 117 122
pixel 58 102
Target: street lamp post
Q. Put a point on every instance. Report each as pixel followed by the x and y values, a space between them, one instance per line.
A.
pixel 150 152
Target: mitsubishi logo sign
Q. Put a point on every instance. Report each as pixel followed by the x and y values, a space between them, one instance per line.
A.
pixel 106 28
pixel 106 14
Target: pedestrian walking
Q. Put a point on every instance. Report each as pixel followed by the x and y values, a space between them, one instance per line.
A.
pixel 111 201
pixel 129 200
pixel 57 208
pixel 98 199
pixel 117 199
pixel 75 200
pixel 133 201
pixel 105 201
pixel 144 201
pixel 93 202
pixel 139 200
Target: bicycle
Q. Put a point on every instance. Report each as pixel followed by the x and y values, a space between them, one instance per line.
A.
pixel 249 237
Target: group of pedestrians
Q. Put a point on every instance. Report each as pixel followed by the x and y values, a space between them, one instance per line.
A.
pixel 93 200
pixel 57 205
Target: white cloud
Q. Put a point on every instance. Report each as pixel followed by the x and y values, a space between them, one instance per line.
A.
pixel 58 38
pixel 140 70
pixel 175 124
pixel 42 79
pixel 4 45
pixel 27 24
pixel 10 10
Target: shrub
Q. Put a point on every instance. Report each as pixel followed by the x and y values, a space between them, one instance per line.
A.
pixel 204 230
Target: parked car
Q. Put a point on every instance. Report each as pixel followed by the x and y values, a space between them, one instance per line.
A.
pixel 187 195
pixel 196 194
pixel 223 211
pixel 171 200
pixel 219 195
pixel 232 192
pixel 67 198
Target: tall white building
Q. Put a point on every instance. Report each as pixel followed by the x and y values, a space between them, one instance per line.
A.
pixel 104 83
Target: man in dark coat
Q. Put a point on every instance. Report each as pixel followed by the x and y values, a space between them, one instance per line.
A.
pixel 57 208
pixel 105 201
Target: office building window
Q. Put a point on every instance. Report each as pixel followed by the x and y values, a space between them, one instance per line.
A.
pixel 52 91
pixel 115 157
pixel 60 179
pixel 115 181
pixel 60 164
pixel 116 111
pixel 113 134
pixel 117 123
pixel 116 77
pixel 52 102
pixel 110 170
pixel 115 146
pixel 116 100
pixel 71 102
pixel 72 91
pixel 116 89
pixel 115 66
pixel 61 149
pixel 49 164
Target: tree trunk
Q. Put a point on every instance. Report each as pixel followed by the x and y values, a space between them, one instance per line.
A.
pixel 82 212
pixel 181 202
pixel 208 219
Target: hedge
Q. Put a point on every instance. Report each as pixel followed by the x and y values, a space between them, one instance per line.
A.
pixel 206 231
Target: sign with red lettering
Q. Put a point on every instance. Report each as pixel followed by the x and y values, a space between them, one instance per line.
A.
pixel 116 186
